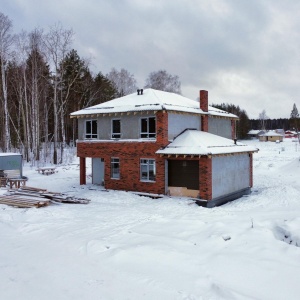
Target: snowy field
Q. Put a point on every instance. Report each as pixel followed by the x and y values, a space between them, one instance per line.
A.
pixel 122 246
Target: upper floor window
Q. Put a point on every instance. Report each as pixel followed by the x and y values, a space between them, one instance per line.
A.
pixel 91 129
pixel 148 169
pixel 116 129
pixel 115 168
pixel 148 127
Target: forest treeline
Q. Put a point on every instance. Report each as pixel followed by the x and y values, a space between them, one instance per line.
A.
pixel 43 79
pixel 244 124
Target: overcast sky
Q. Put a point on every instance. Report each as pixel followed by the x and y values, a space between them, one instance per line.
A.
pixel 245 52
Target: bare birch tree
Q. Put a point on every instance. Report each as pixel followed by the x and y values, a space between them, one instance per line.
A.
pixel 57 43
pixel 21 55
pixel 124 82
pixel 262 118
pixel 6 42
pixel 161 80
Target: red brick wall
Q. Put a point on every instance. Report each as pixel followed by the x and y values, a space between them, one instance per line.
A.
pixel 233 133
pixel 205 178
pixel 130 154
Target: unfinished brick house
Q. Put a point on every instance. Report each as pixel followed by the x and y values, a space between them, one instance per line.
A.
pixel 163 143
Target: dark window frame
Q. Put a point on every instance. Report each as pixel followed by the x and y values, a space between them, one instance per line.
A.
pixel 148 127
pixel 116 129
pixel 91 129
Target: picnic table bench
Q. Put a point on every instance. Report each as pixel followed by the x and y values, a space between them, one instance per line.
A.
pixel 47 170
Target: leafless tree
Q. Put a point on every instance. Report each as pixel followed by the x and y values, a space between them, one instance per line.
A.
pixel 57 43
pixel 124 82
pixel 6 42
pixel 263 117
pixel 163 81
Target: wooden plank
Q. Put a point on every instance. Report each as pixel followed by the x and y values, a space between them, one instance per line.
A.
pixel 16 204
pixel 19 202
pixel 22 200
pixel 32 188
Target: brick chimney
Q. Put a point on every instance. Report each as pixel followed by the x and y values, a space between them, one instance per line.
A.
pixel 204 107
pixel 204 100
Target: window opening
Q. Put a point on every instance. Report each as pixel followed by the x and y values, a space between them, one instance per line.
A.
pixel 91 129
pixel 148 170
pixel 115 168
pixel 148 127
pixel 116 129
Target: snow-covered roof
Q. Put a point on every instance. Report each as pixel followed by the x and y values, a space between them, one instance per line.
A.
pixel 194 142
pixel 151 100
pixel 252 131
pixel 212 111
pixel 9 154
pixel 271 133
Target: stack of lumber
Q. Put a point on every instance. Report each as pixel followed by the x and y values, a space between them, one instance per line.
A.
pixel 43 193
pixel 27 196
pixel 23 202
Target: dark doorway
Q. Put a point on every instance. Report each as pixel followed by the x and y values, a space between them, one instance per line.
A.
pixel 184 173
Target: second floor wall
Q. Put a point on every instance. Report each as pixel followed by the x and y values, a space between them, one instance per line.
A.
pixel 144 126
pixel 220 127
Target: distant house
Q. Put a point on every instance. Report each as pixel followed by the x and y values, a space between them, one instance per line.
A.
pixel 270 136
pixel 163 143
pixel 290 134
pixel 255 133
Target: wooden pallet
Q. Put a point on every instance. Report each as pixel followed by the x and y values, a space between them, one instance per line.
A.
pixel 23 202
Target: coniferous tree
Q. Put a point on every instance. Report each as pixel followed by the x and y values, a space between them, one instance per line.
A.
pixel 295 120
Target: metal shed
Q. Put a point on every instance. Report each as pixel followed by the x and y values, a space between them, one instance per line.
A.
pixel 11 162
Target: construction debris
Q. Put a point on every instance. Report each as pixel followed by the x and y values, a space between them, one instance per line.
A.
pixel 26 196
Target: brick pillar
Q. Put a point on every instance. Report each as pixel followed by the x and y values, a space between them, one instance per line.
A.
pixel 204 107
pixel 205 178
pixel 233 129
pixel 82 170
pixel 251 170
pixel 162 128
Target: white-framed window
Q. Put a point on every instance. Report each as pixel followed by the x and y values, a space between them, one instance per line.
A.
pixel 148 169
pixel 91 129
pixel 116 129
pixel 148 127
pixel 115 168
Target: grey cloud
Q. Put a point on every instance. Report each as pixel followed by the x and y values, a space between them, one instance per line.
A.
pixel 243 52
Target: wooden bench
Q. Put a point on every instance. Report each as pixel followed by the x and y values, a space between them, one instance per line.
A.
pixel 47 170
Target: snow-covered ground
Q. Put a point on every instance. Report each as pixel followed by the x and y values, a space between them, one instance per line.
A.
pixel 123 246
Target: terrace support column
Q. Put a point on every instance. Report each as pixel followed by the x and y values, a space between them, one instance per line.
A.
pixel 205 178
pixel 82 165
